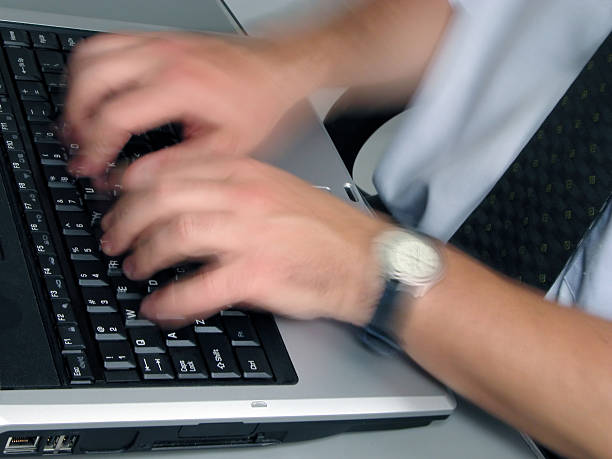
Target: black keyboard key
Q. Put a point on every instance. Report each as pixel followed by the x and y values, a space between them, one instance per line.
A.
pixel 253 363
pixel 15 37
pixel 66 200
pixel 2 86
pixel 147 340
pixel 24 180
pixel 55 82
pixel 121 376
pixel 63 312
pixel 185 337
pixel 52 154
pixel 8 125
pixel 155 366
pixel 57 99
pixel 79 370
pixel 46 40
pixel 129 309
pixel 58 177
pixel 240 331
pixel 126 289
pixel 90 193
pixel 113 267
pixel 188 364
pixel 56 287
pixel 13 142
pixel 97 208
pixel 44 133
pixel 49 265
pixel 50 61
pixel 218 356
pixel 107 327
pixel 90 273
pixel 211 325
pixel 43 243
pixel 23 64
pixel 5 105
pixel 30 200
pixel 69 41
pixel 70 338
pixel 36 222
pixel 83 248
pixel 37 111
pixel 30 90
pixel 117 355
pixel 99 299
pixel 74 223
pixel 19 160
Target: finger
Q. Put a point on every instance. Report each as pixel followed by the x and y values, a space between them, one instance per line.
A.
pixel 133 111
pixel 191 159
pixel 136 211
pixel 185 238
pixel 93 79
pixel 201 295
pixel 104 43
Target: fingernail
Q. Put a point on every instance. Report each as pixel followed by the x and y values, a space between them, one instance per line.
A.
pixel 106 246
pixel 128 268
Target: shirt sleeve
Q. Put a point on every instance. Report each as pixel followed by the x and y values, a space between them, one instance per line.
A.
pixel 586 280
pixel 500 69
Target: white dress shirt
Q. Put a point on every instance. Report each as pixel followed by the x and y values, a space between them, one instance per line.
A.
pixel 500 69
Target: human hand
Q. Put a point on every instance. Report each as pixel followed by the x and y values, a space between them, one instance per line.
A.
pixel 228 92
pixel 276 242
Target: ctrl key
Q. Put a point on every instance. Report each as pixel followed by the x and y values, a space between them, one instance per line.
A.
pixel 79 370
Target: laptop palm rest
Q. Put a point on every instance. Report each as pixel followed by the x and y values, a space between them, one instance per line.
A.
pixel 25 356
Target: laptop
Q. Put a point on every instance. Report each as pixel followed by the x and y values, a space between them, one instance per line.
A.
pixel 80 371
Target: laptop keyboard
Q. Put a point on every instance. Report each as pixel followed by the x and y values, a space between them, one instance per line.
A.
pixel 92 308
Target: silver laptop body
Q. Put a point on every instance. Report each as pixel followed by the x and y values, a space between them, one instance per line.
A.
pixel 340 385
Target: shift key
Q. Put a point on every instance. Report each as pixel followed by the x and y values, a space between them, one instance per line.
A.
pixel 219 356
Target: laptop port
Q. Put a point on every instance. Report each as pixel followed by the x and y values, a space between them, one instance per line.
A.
pixel 21 445
pixel 60 443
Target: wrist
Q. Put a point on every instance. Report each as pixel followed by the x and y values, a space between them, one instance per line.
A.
pixel 367 284
pixel 411 264
pixel 298 70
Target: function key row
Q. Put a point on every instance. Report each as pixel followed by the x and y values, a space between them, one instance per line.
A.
pixel 43 40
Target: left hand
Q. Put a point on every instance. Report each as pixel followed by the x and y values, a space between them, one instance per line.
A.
pixel 276 242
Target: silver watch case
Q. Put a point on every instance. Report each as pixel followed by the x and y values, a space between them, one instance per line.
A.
pixel 414 260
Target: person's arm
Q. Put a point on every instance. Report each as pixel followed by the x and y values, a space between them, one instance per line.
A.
pixel 229 93
pixel 275 242
pixel 543 368
pixel 384 45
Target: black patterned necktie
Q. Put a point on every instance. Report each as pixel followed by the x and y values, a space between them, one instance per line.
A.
pixel 533 218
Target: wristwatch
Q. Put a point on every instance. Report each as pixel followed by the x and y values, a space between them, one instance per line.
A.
pixel 410 262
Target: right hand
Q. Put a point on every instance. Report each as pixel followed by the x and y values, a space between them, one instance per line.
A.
pixel 228 93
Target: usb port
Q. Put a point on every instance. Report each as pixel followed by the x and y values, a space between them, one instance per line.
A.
pixel 60 444
pixel 21 445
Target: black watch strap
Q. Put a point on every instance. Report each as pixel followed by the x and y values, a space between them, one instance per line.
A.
pixel 377 335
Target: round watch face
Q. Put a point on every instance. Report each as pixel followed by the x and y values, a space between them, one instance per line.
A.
pixel 412 260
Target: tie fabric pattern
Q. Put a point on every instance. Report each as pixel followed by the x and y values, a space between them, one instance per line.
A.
pixel 536 214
